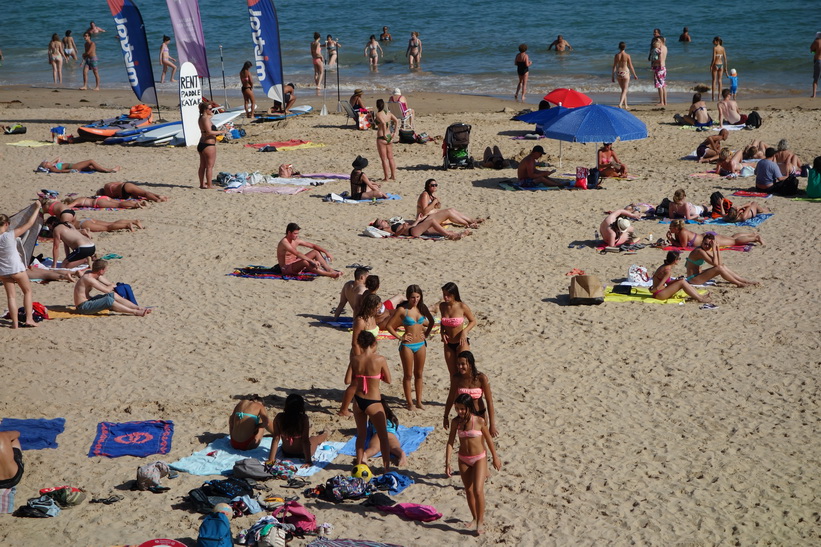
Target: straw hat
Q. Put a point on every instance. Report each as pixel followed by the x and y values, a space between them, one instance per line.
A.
pixel 622 224
pixel 357 91
pixel 360 162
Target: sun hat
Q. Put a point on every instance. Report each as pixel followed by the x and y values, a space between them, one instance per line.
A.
pixel 357 91
pixel 622 224
pixel 360 162
pixel 397 91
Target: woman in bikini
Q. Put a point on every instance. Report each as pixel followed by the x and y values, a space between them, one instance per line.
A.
pixel 92 225
pixel 394 446
pixel 56 55
pixel 128 190
pixel 697 114
pixel 522 62
pixel 609 164
pixel 622 67
pixel 681 208
pixel 468 380
pixel 69 47
pixel 372 52
pixel 365 320
pixel 55 207
pixel 680 236
pixel 166 60
pixel 332 47
pixel 664 286
pixel 294 428
pixel 430 225
pixel 414 51
pixel 428 203
pixel 414 315
pixel 756 150
pixel 207 147
pixel 717 67
pixel 247 87
pixel 361 185
pixel 387 126
pixel 729 163
pixel 318 60
pixel 247 423
pixel 709 252
pixel 57 166
pixel 457 322
pixel 474 442
pixel 365 373
pixel 745 212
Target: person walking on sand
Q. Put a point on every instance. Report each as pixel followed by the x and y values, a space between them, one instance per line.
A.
pixel 387 126
pixel 166 60
pixel 717 67
pixel 318 60
pixel 293 262
pixel 522 62
pixel 622 67
pixel 247 87
pixel 658 62
pixel 56 55
pixel 13 271
pixel 90 61
pixel 69 47
pixel 95 280
pixel 815 48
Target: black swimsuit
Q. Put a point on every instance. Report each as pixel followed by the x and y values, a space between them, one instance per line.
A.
pixel 18 458
pixel 203 145
pixel 357 186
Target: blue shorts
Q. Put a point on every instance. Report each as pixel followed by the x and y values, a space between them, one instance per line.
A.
pixel 96 304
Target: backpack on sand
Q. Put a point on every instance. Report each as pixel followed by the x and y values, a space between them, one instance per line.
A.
pixel 754 120
pixel 294 513
pixel 215 531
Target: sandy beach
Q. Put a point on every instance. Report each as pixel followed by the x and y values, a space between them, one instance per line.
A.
pixel 620 423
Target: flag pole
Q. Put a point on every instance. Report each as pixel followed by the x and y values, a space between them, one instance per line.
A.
pixel 224 88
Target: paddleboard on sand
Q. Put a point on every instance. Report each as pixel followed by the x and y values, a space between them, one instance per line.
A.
pixel 125 137
pixel 102 129
pixel 295 111
pixel 162 134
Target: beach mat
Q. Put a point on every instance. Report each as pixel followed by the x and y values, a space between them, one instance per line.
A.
pixel 267 272
pixel 751 194
pixel 514 186
pixel 740 248
pixel 750 223
pixel 37 433
pixel 30 143
pixel 259 189
pixel 641 294
pixel 707 175
pixel 326 542
pixel 816 200
pixel 337 198
pixel 219 457
pixel 29 239
pixel 138 439
pixel 410 439
pixel 346 323
pixel 69 312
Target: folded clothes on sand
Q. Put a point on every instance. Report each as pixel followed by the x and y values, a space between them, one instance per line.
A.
pixel 35 433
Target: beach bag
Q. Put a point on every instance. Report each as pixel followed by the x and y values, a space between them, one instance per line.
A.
pixel 581 177
pixel 280 469
pixel 746 171
pixel 586 290
pixel 814 184
pixel 16 129
pixel 407 136
pixel 638 274
pixel 45 505
pixel 65 496
pixel 140 111
pixel 124 290
pixel 294 513
pixel 272 536
pixel 593 179
pixel 754 120
pixel 230 488
pixel 202 502
pixel 423 138
pixel 251 468
pixel 340 488
pixel 364 120
pixel 663 208
pixel 215 531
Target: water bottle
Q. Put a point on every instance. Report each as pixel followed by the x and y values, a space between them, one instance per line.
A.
pixel 595 235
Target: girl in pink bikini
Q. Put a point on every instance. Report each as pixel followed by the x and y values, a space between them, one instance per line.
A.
pixel 293 427
pixel 474 442
pixel 468 380
pixel 457 322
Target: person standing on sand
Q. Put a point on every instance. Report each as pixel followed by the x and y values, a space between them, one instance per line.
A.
pixel 384 139
pixel 207 147
pixel 166 60
pixel 522 62
pixel 815 48
pixel 318 60
pixel 13 271
pixel 247 86
pixel 56 54
pixel 622 67
pixel 90 61
pixel 69 47
pixel 658 62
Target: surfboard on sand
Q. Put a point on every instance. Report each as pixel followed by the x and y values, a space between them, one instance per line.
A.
pixel 161 135
pixel 27 241
pixel 295 111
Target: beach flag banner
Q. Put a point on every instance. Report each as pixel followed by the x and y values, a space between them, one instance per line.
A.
pixel 187 24
pixel 267 53
pixel 134 44
pixel 190 98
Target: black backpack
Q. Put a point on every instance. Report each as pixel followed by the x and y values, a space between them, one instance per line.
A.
pixel 230 488
pixel 201 502
pixel 754 120
pixel 663 208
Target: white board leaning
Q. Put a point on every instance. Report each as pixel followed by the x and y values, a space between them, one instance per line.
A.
pixel 190 98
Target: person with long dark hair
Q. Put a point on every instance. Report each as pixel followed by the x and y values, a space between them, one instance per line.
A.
pixel 207 147
pixel 456 323
pixel 392 427
pixel 664 286
pixel 293 427
pixel 474 383
pixel 428 203
pixel 415 316
pixel 247 87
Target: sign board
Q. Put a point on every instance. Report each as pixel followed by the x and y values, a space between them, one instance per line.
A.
pixel 190 99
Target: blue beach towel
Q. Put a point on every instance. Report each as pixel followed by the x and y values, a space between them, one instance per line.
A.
pixel 396 481
pixel 35 434
pixel 139 439
pixel 391 197
pixel 410 438
pixel 751 223
pixel 219 457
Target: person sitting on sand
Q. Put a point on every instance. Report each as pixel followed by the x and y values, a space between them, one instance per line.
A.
pixel 745 212
pixel 616 230
pixel 697 114
pixel 95 280
pixel 756 150
pixel 392 426
pixel 386 308
pixel 41 273
pixel 79 248
pixel 361 186
pixel 493 158
pixel 728 110
pixel 476 384
pixel 293 426
pixel 351 291
pixel 57 166
pixel 93 225
pixel 681 208
pixel 680 236
pixel 292 262
pixel 529 176
pixel 664 286
pixel 609 163
pixel 728 163
pixel 289 98
pixel 429 225
pixel 128 190
pixel 768 177
pixel 428 203
pixel 787 161
pixel 12 269
pixel 709 252
pixel 710 149
pixel 11 459
pixel 247 423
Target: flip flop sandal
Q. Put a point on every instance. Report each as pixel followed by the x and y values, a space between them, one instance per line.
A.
pixel 107 501
pixel 159 489
pixel 296 483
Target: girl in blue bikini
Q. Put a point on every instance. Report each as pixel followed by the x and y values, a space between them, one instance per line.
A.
pixel 418 323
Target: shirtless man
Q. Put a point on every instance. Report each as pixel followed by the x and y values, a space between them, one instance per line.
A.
pixel 815 48
pixel 529 176
pixel 614 235
pixel 352 291
pixel 11 459
pixel 69 47
pixel 293 262
pixel 248 421
pixel 94 29
pixel 90 61
pixel 728 110
pixel 560 44
pixel 94 279
pixel 685 36
pixel 79 248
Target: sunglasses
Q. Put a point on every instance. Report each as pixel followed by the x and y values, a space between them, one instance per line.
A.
pixel 433 184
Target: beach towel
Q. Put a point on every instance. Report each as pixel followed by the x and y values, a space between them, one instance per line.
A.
pixel 751 223
pixel 707 175
pixel 37 433
pixel 410 438
pixel 346 323
pixel 30 143
pixel 7 499
pixel 508 185
pixel 278 144
pixel 338 176
pixel 337 198
pixel 641 294
pixel 70 312
pixel 266 272
pixel 219 457
pixel 750 194
pixel 572 176
pixel 740 248
pixel 325 542
pixel 413 511
pixel 396 483
pixel 283 190
pixel 737 127
pixel 138 439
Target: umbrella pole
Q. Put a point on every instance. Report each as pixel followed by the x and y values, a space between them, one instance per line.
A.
pixel 560 154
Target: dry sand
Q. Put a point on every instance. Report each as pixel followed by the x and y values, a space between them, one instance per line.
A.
pixel 622 423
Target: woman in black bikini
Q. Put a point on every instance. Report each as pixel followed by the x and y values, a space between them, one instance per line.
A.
pixel 384 139
pixel 247 84
pixel 361 185
pixel 522 63
pixel 207 147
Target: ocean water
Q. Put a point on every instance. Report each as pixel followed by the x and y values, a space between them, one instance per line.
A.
pixel 468 46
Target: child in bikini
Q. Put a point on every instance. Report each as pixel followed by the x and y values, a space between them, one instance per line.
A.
pixel 293 427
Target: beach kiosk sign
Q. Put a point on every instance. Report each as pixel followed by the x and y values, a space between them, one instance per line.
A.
pixel 190 99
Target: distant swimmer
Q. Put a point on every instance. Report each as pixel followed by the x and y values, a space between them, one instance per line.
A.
pixel 94 29
pixel 385 36
pixel 815 48
pixel 560 44
pixel 685 36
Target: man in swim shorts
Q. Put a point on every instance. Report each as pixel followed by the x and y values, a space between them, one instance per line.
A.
pixel 815 48
pixel 351 291
pixel 292 262
pixel 90 61
pixel 95 279
pixel 11 460
pixel 529 176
